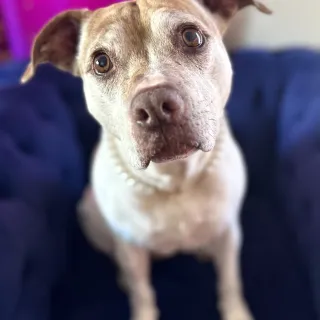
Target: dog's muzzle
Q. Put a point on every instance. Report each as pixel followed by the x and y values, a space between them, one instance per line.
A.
pixel 159 124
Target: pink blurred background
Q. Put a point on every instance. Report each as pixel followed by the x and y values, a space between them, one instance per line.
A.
pixel 22 19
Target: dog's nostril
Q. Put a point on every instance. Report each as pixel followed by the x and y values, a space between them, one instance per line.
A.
pixel 167 108
pixel 142 115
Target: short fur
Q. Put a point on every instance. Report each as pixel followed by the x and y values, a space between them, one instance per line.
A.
pixel 199 210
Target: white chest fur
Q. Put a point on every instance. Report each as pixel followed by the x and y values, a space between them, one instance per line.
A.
pixel 165 222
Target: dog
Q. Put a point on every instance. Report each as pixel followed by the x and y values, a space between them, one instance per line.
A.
pixel 167 174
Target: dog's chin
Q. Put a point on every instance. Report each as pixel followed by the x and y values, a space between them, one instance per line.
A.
pixel 142 160
pixel 169 156
pixel 165 152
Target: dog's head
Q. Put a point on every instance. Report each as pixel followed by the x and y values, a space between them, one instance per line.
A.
pixel 156 74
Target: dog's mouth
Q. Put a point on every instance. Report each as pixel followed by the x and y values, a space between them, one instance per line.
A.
pixel 167 153
pixel 171 144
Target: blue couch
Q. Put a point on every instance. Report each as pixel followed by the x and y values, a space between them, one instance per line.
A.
pixel 48 270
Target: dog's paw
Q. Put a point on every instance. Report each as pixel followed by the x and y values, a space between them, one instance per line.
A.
pixel 239 313
pixel 146 313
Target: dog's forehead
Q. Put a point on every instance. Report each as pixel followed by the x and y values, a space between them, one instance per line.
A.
pixel 105 18
pixel 128 24
pixel 183 5
pixel 138 14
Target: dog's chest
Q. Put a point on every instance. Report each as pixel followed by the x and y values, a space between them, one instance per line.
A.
pixel 165 223
pixel 168 222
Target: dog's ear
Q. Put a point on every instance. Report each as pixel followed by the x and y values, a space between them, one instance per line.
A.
pixel 57 43
pixel 226 9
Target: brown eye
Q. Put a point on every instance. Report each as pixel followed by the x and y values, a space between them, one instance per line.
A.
pixel 101 63
pixel 192 38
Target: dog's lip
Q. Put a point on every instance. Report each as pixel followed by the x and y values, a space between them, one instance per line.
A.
pixel 165 156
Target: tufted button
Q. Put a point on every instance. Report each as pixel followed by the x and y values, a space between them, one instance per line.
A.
pixel 45 116
pixel 317 139
pixel 257 99
pixel 305 205
pixel 288 169
pixel 5 190
pixel 26 148
pixel 27 270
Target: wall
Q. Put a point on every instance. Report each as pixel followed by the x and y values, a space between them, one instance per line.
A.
pixel 293 23
pixel 24 18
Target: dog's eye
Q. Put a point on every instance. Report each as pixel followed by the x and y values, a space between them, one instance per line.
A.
pixel 101 63
pixel 192 38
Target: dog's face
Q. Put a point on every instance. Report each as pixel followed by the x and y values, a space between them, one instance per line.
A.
pixel 157 76
pixel 155 72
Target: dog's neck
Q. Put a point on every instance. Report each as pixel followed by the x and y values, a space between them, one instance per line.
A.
pixel 171 176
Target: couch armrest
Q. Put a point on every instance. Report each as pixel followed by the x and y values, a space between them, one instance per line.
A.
pixel 41 177
pixel 10 72
pixel 299 167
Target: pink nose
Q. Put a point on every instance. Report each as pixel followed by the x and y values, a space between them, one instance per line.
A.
pixel 156 106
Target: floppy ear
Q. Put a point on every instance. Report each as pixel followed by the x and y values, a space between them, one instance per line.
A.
pixel 57 42
pixel 226 9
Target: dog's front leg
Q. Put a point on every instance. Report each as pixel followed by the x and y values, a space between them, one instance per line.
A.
pixel 227 261
pixel 135 266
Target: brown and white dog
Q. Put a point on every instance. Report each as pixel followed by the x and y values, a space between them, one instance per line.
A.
pixel 167 175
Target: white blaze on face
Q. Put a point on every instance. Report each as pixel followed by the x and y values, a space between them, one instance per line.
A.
pixel 158 57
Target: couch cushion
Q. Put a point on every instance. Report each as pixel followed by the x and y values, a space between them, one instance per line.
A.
pixel 276 281
pixel 41 177
pixel 276 271
pixel 299 168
